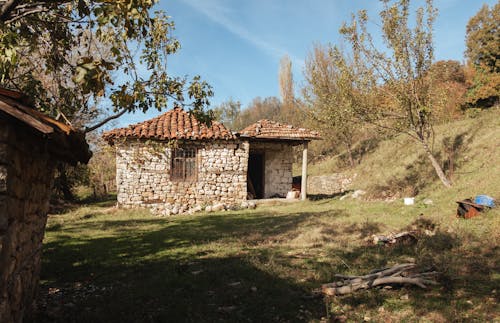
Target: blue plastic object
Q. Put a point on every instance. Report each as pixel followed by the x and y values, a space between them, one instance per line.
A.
pixel 485 200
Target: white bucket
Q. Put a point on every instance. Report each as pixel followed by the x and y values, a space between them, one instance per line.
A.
pixel 409 200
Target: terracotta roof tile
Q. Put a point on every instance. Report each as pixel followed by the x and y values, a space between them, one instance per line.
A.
pixel 267 129
pixel 174 124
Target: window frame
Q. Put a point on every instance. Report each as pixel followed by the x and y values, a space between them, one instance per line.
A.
pixel 184 164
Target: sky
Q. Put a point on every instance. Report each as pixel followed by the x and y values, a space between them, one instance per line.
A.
pixel 236 45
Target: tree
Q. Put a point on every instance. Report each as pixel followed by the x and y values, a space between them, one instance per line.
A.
pixel 398 74
pixel 286 80
pixel 102 168
pixel 267 108
pixel 447 71
pixel 484 88
pixel 332 95
pixel 483 53
pixel 448 90
pixel 229 113
pixel 56 37
pixel 286 89
pixel 483 39
pixel 291 111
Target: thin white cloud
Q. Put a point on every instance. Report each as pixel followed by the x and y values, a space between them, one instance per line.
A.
pixel 221 15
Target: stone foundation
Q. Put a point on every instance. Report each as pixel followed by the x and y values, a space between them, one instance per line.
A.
pixel 26 175
pixel 144 180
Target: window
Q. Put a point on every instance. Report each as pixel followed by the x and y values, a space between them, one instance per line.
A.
pixel 184 166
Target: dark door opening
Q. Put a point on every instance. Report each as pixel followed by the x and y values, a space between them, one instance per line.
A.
pixel 255 176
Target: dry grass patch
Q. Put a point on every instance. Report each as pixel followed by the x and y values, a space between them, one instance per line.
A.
pixel 262 265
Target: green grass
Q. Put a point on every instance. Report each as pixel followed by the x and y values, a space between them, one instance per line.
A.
pixel 398 167
pixel 101 264
pixel 106 265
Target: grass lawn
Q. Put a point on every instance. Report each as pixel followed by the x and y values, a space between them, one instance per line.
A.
pixel 106 265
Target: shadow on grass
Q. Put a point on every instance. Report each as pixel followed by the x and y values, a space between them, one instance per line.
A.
pixel 60 206
pixel 173 273
pixel 191 231
pixel 417 175
pixel 317 197
pixel 205 290
pixel 107 200
pixel 232 267
pixel 464 279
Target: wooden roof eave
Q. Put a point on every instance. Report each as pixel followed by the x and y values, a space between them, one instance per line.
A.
pixel 34 116
pixel 297 140
pixel 26 118
pixel 67 144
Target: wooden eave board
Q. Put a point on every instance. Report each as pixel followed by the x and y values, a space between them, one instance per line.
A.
pixel 26 118
pixel 37 115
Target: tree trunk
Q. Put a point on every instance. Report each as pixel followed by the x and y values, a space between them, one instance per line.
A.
pixel 451 166
pixel 63 184
pixel 349 154
pixel 439 170
pixel 66 187
pixel 347 141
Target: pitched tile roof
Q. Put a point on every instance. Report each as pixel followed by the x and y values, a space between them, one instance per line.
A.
pixel 174 124
pixel 267 129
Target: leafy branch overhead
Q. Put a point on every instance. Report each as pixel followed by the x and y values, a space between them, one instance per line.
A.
pixel 85 59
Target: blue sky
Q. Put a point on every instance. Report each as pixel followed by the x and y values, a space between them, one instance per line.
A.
pixel 236 45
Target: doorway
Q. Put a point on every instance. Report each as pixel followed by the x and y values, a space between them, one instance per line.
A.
pixel 255 176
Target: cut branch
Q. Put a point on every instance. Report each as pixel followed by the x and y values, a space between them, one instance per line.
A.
pixel 398 274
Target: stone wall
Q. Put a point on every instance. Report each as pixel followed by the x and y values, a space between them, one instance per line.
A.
pixel 328 184
pixel 26 175
pixel 278 160
pixel 143 176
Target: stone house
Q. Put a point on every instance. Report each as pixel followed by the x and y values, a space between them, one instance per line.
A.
pixel 175 164
pixel 30 146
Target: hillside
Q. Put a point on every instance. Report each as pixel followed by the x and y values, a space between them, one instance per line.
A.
pixel 101 263
pixel 398 167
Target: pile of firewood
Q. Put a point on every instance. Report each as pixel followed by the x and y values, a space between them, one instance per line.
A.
pixel 398 274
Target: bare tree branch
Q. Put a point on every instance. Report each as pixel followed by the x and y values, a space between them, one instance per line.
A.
pixel 103 122
pixel 7 8
pixel 26 13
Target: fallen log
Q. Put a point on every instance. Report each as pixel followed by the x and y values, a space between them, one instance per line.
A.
pixel 398 274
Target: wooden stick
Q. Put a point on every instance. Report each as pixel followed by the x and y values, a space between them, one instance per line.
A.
pixel 398 274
